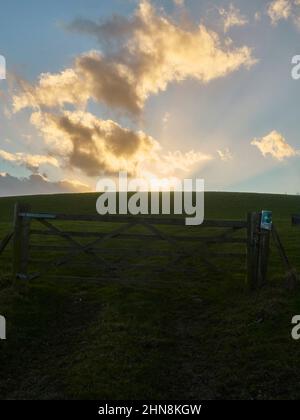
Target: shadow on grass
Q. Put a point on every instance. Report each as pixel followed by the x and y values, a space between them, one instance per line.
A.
pixel 177 338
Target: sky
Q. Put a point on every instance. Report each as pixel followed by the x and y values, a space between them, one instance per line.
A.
pixel 161 89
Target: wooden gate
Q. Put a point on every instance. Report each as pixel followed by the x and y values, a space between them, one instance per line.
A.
pixel 5 241
pixel 253 245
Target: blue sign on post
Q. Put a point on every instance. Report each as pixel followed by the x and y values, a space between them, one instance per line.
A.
pixel 266 220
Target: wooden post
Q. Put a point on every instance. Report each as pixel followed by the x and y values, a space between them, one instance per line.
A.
pixel 252 250
pixel 291 275
pixel 16 241
pixel 20 242
pixel 263 256
pixel 258 245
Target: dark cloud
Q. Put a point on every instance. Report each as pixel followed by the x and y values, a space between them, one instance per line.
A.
pixel 109 82
pixel 106 32
pixel 93 145
pixel 35 184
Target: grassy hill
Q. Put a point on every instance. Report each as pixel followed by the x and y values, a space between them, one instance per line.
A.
pixel 146 333
pixel 217 204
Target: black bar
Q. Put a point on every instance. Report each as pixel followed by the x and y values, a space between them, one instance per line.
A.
pixel 146 409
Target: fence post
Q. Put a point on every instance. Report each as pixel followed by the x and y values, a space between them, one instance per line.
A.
pixel 252 250
pixel 263 256
pixel 258 250
pixel 20 242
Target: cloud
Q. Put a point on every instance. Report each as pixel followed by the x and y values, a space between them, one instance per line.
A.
pixel 52 90
pixel 141 55
pixel 97 146
pixel 232 17
pixel 257 16
pixel 30 161
pixel 91 144
pixel 176 163
pixel 36 184
pixel 225 155
pixel 275 144
pixel 284 10
pixel 146 53
pixel 179 2
pixel 166 118
pixel 279 9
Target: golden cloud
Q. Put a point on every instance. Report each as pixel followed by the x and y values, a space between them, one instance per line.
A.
pixel 152 51
pixel 141 56
pixel 97 146
pixel 275 144
pixel 92 144
pixel 281 10
pixel 30 161
pixel 225 155
pixel 232 17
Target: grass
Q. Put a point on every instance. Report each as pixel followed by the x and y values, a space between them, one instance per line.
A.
pixel 147 334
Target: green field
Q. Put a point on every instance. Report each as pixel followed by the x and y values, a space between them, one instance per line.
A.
pixel 145 333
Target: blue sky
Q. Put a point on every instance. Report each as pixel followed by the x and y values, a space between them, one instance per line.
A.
pixel 219 117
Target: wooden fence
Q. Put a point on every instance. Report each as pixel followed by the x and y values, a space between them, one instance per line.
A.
pixel 255 243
